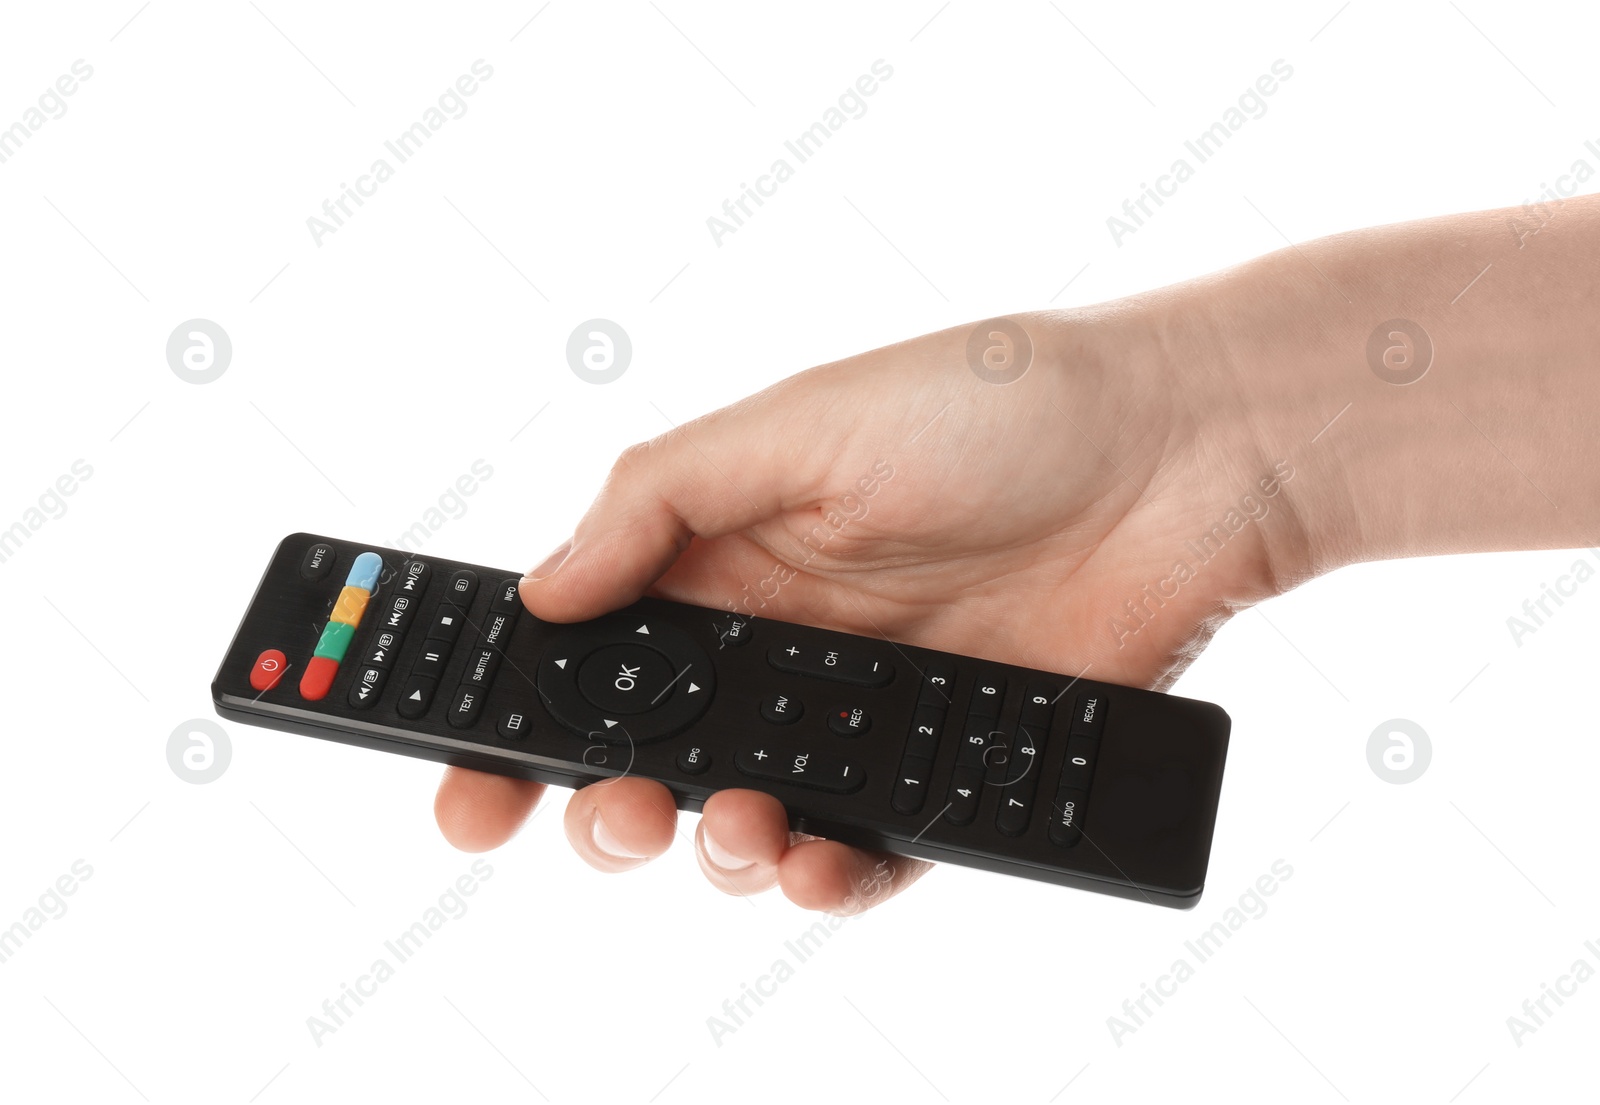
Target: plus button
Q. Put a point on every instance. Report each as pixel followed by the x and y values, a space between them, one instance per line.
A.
pixel 762 754
pixel 791 650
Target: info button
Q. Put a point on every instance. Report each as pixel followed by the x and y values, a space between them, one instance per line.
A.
pixel 626 679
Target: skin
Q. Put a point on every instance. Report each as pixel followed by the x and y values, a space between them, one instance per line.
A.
pixel 1039 521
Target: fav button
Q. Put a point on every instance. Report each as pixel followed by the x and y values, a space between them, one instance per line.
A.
pixel 780 709
pixel 268 670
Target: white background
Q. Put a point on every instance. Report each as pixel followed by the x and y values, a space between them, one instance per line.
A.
pixel 371 370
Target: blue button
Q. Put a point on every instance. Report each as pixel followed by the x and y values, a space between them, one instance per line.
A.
pixel 364 572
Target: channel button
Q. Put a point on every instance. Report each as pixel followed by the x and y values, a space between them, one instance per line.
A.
pixel 840 665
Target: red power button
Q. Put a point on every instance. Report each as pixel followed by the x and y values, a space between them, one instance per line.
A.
pixel 268 670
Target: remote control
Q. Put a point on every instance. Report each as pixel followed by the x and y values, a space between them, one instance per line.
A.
pixel 876 744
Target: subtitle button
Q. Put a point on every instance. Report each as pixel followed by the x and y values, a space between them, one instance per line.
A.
pixel 267 670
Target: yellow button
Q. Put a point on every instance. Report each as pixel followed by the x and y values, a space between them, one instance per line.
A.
pixel 352 603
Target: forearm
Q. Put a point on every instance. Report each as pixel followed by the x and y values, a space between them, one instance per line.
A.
pixel 1496 446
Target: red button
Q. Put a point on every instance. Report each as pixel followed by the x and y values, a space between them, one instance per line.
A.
pixel 268 670
pixel 318 678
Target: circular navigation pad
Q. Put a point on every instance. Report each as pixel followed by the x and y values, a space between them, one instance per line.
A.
pixel 625 678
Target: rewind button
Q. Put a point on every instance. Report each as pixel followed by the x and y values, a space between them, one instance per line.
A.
pixel 364 691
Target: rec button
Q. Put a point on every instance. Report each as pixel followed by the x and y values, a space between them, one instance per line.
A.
pixel 849 721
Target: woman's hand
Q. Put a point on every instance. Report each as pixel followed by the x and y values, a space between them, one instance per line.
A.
pixel 899 495
pixel 1163 462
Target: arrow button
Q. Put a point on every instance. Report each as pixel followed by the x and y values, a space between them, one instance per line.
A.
pixel 416 695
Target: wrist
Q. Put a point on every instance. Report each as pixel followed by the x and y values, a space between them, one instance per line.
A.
pixel 1230 470
pixel 1418 420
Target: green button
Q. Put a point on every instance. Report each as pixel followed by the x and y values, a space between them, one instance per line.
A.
pixel 335 641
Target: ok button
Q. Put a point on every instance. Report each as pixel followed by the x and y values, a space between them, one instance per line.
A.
pixel 626 679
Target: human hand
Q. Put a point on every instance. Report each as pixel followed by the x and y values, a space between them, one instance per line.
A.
pixel 1107 511
pixel 898 495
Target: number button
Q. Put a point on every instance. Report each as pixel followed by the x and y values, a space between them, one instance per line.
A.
pixel 988 694
pixel 966 788
pixel 911 787
pixel 1079 768
pixel 923 742
pixel 938 677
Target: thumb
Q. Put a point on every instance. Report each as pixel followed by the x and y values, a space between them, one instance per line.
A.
pixel 707 478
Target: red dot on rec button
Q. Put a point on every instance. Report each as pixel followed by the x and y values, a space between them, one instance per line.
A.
pixel 268 670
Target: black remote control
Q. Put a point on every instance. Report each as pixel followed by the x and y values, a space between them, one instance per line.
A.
pixel 868 742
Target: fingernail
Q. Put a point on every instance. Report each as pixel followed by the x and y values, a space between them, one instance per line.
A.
pixel 719 856
pixel 607 843
pixel 550 563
